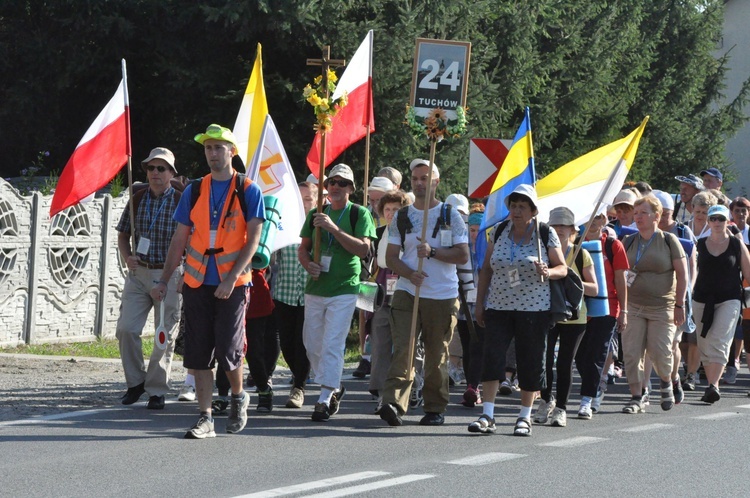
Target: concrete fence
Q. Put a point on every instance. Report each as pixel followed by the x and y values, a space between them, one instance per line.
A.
pixel 61 278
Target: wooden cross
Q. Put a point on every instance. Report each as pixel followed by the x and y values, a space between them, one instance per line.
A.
pixel 326 63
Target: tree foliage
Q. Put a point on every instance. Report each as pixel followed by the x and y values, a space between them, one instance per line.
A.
pixel 590 71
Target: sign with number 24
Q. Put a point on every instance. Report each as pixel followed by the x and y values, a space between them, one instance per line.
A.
pixel 440 76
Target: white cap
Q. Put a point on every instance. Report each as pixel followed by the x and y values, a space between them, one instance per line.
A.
pixel 425 162
pixel 381 184
pixel 667 202
pixel 460 202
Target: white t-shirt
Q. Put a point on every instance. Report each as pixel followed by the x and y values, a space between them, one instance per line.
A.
pixel 442 280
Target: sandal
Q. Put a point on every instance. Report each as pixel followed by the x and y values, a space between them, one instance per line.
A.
pixel 523 427
pixel 483 425
pixel 633 406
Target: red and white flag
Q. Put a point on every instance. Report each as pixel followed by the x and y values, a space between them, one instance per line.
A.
pixel 351 123
pixel 100 154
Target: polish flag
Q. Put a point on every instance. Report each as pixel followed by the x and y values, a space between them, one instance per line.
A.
pixel 350 124
pixel 100 154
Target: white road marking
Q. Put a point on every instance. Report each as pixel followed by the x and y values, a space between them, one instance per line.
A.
pixel 486 459
pixel 646 427
pixel 718 416
pixel 323 483
pixel 575 441
pixel 743 406
pixel 363 488
pixel 58 416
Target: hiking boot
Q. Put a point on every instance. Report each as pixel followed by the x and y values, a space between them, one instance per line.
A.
pixel 730 376
pixel 219 405
pixel 202 429
pixel 389 413
pixel 559 418
pixel 506 388
pixel 544 411
pixel 712 394
pixel 296 398
pixel 336 398
pixel 237 413
pixel 320 413
pixel 363 369
pixel 265 401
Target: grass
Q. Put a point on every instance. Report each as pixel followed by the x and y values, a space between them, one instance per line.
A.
pixel 109 348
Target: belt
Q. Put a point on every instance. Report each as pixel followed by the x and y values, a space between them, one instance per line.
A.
pixel 150 266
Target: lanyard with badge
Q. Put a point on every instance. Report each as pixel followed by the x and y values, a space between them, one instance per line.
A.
pixel 640 251
pixel 214 210
pixel 144 243
pixel 327 256
pixel 514 277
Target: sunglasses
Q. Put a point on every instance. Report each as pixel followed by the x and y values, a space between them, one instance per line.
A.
pixel 340 183
pixel 716 218
pixel 160 169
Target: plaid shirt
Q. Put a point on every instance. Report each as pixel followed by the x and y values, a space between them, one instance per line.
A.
pixel 157 213
pixel 289 282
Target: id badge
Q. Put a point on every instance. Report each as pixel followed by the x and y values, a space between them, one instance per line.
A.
pixel 446 238
pixel 630 277
pixel 325 262
pixel 143 245
pixel 390 284
pixel 471 296
pixel 514 278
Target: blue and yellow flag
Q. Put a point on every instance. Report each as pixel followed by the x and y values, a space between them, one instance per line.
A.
pixel 517 169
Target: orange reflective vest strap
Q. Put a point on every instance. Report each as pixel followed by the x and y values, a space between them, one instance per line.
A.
pixel 231 236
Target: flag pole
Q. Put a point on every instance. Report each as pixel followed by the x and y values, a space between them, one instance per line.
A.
pixel 425 214
pixel 606 188
pixel 130 156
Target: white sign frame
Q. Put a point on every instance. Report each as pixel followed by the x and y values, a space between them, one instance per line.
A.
pixel 440 76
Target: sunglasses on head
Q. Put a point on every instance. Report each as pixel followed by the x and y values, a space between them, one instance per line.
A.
pixel 160 169
pixel 340 183
pixel 716 218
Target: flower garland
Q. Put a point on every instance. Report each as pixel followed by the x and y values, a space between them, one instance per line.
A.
pixel 324 108
pixel 436 124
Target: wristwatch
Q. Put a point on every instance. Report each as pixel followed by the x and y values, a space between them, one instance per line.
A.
pixel 433 252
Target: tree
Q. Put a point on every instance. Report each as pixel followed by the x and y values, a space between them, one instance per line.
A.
pixel 590 71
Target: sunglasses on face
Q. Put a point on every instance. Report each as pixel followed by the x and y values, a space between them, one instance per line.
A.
pixel 340 183
pixel 160 169
pixel 716 218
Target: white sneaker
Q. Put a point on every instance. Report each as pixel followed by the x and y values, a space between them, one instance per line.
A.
pixel 558 418
pixel 187 393
pixel 584 412
pixel 544 411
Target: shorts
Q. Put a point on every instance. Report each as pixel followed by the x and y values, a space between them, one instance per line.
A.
pixel 214 328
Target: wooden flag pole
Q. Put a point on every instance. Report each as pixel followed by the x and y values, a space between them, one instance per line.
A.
pixel 425 215
pixel 325 63
pixel 130 162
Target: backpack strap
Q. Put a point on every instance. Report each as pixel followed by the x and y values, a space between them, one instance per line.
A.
pixel 444 220
pixel 579 262
pixel 403 224
pixel 499 231
pixel 608 243
pixel 238 191
pixel 353 216
pixel 677 206
pixel 628 241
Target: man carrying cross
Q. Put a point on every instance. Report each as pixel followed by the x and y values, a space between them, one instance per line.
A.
pixel 331 291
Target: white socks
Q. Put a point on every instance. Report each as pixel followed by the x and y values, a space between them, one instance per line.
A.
pixel 190 380
pixel 525 412
pixel 325 396
pixel 488 408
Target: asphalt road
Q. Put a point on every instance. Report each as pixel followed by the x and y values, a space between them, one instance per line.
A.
pixel 693 450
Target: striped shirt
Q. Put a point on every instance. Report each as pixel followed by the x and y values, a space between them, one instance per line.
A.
pixel 153 220
pixel 291 277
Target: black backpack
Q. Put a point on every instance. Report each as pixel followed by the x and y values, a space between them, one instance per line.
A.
pixel 238 191
pixel 566 294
